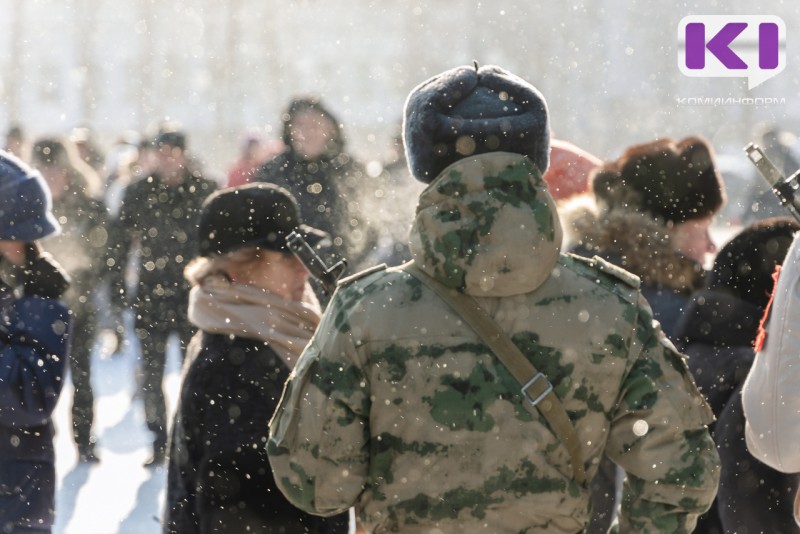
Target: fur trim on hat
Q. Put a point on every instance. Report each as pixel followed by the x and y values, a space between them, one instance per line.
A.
pixel 674 181
pixel 468 111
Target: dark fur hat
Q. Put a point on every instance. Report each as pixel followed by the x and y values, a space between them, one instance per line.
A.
pixel 744 266
pixel 252 215
pixel 473 110
pixel 674 181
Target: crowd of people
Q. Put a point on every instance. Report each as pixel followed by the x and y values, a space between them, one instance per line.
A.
pixel 549 342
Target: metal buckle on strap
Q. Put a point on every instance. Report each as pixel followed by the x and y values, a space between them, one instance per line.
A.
pixel 530 383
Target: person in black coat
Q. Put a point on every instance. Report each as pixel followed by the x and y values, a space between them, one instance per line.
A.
pixel 717 332
pixel 255 312
pixel 34 342
pixel 155 223
pixel 331 187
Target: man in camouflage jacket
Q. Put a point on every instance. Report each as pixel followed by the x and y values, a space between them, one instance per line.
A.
pixel 399 408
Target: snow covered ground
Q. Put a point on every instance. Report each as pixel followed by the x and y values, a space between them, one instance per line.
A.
pixel 117 495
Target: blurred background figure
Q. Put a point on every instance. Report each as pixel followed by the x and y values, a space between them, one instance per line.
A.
pixel 81 249
pixel 568 173
pixel 326 180
pixel 255 312
pixel 121 161
pixel 147 164
pixel 16 143
pixel 120 166
pixel 254 151
pixel 717 332
pixel 155 227
pixel 89 148
pixel 34 340
pixel 250 159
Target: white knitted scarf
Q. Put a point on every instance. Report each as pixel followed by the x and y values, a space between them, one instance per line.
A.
pixel 220 306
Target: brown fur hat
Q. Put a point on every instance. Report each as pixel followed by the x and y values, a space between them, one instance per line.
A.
pixel 674 181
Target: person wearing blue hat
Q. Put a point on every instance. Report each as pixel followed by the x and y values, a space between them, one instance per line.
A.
pixel 34 343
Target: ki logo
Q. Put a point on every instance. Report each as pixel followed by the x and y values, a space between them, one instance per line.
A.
pixel 723 46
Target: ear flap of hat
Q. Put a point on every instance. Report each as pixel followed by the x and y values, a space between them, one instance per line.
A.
pixel 421 119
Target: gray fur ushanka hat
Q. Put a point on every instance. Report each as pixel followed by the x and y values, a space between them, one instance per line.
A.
pixel 468 111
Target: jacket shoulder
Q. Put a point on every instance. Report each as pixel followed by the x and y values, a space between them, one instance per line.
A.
pixel 348 280
pixel 596 264
pixel 605 276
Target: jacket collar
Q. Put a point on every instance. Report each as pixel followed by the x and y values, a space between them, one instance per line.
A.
pixel 639 244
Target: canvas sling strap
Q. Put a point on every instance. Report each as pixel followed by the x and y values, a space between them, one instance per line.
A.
pixel 536 388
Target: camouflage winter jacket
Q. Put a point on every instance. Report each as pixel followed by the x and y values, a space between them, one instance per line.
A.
pixel 398 408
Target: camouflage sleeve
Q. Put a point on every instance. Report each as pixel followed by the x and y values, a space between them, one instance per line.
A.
pixel 319 435
pixel 659 436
